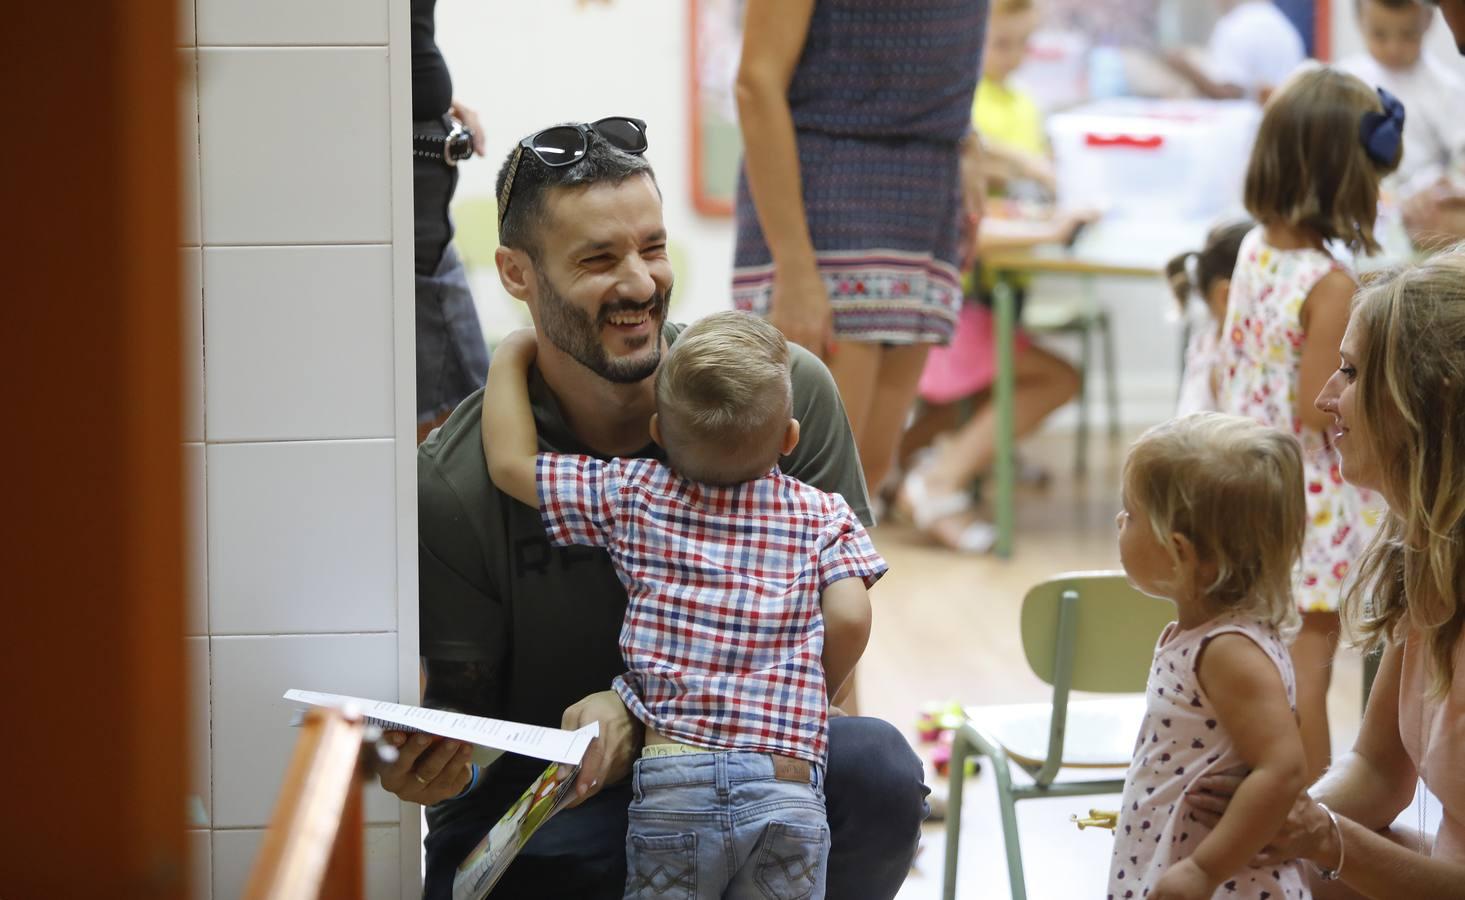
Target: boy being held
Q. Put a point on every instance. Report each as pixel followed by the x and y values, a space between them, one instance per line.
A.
pixel 747 603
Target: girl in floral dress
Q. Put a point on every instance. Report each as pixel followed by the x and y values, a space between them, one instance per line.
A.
pixel 1325 141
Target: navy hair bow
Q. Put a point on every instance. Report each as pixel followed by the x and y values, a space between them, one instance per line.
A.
pixel 1382 133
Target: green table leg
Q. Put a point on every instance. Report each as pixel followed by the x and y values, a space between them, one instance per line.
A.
pixel 1004 468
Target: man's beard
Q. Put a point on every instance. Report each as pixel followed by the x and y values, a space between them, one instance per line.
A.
pixel 573 332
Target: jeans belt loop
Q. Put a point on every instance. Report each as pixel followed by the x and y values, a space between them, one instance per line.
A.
pixel 724 783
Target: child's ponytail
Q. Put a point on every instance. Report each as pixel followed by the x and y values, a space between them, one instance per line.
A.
pixel 1195 271
pixel 1177 273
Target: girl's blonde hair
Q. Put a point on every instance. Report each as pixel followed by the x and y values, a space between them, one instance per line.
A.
pixel 1410 414
pixel 1233 487
pixel 1309 167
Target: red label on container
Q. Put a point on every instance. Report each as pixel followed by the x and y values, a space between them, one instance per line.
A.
pixel 1130 141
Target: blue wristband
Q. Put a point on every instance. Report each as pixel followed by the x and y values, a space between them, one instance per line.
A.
pixel 472 783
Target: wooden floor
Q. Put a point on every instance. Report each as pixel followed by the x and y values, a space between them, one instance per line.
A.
pixel 946 627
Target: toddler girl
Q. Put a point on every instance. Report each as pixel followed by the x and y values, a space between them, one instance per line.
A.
pixel 1206 273
pixel 1213 521
pixel 1325 141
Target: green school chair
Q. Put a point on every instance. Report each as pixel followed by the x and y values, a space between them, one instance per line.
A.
pixel 1085 631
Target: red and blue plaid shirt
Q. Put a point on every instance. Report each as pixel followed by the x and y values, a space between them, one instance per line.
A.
pixel 723 632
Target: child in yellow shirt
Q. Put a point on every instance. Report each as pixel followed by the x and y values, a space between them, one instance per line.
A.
pixel 935 494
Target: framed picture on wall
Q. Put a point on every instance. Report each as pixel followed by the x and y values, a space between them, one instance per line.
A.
pixel 717 43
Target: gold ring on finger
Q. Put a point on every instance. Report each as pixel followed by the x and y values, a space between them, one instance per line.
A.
pixel 420 779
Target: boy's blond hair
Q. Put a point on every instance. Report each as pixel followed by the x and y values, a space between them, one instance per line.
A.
pixel 724 398
pixel 1410 415
pixel 1234 487
pixel 1309 167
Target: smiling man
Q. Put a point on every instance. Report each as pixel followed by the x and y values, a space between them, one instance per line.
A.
pixel 516 629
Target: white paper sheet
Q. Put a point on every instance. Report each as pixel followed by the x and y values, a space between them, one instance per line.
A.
pixel 550 744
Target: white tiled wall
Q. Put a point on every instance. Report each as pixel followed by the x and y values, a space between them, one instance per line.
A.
pixel 296 254
pixel 294 145
pixel 329 374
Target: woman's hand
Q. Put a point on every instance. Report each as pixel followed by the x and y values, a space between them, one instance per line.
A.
pixel 427 770
pixel 1307 832
pixel 973 196
pixel 1183 881
pixel 609 757
pixel 800 309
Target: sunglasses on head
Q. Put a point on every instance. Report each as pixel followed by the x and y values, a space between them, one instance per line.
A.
pixel 564 145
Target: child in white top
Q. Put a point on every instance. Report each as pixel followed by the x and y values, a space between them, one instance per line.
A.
pixel 1325 141
pixel 1213 520
pixel 1434 134
pixel 1253 48
pixel 1207 274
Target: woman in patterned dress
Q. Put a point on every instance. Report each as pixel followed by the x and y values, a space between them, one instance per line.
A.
pixel 860 183
pixel 1324 143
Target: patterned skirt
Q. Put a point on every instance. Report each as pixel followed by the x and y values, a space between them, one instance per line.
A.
pixel 885 219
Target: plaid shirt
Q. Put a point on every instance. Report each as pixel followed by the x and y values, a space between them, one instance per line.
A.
pixel 723 632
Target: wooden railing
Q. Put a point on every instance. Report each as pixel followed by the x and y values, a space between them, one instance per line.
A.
pixel 313 848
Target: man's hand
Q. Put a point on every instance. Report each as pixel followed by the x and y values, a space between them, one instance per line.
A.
pixel 610 756
pixel 426 771
pixel 1183 881
pixel 469 118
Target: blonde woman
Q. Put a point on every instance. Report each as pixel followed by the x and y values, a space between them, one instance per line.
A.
pixel 1397 402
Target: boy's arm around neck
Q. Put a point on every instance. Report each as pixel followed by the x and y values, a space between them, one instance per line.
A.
pixel 510 441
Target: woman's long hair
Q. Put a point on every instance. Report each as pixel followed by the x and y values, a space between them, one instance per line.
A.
pixel 1410 414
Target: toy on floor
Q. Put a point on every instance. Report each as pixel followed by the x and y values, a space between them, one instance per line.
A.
pixel 941 757
pixel 1097 818
pixel 937 718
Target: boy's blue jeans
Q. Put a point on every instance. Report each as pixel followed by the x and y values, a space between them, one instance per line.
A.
pixel 875 797
pixel 705 826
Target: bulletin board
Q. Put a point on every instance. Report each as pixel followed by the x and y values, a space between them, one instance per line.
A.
pixel 716 44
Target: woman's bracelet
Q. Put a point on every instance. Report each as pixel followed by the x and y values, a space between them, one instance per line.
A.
pixel 1333 873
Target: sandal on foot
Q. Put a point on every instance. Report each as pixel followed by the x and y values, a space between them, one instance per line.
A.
pixel 927 509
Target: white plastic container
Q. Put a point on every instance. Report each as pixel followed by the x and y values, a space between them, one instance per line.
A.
pixel 1154 159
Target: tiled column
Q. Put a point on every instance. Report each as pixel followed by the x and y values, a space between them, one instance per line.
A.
pixel 300 441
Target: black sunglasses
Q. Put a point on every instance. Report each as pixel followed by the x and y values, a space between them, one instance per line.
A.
pixel 564 145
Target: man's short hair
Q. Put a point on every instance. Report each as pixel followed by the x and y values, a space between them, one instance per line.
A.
pixel 526 214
